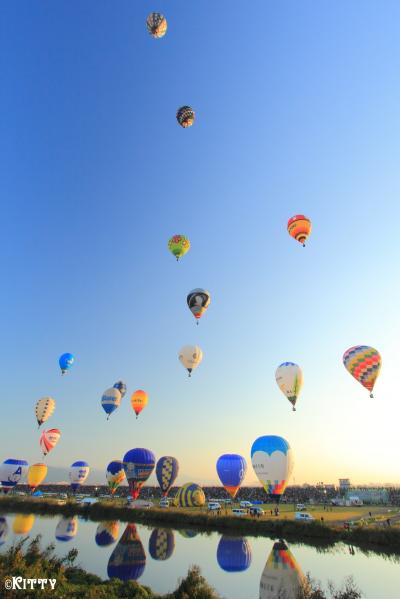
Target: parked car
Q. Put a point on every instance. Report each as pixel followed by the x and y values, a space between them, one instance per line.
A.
pixel 300 507
pixel 256 511
pixel 214 505
pixel 303 516
pixel 239 512
pixel 245 504
pixel 164 502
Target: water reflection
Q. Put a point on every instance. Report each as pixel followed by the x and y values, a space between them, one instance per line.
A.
pixel 66 529
pixel 233 554
pixel 282 577
pixel 188 533
pixel 128 560
pixel 161 544
pixel 23 523
pixel 3 530
pixel 107 533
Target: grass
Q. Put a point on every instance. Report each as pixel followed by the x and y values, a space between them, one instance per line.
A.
pixel 314 533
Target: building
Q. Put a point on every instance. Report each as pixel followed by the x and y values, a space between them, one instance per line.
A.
pixel 344 485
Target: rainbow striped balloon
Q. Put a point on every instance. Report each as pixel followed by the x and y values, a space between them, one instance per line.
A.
pixel 299 227
pixel 364 363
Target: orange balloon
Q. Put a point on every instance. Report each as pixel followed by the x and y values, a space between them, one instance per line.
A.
pixel 139 401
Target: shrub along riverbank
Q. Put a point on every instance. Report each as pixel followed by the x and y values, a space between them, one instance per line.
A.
pixel 386 539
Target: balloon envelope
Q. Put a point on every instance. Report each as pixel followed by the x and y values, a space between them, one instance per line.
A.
pixel 78 473
pixel 128 560
pixel 11 472
pixel 23 523
pixel 190 495
pixel 161 544
pixel 272 461
pixel 66 361
pixel 107 533
pixel 167 470
pixel 110 400
pixel 139 401
pixel 289 378
pixel 44 409
pixel 138 465
pixel 231 469
pixel 36 475
pixel 233 554
pixel 190 357
pixel 299 227
pixel 282 577
pixel 115 474
pixel 156 24
pixel 120 385
pixel 179 245
pixel 185 116
pixel 49 439
pixel 198 301
pixel 364 363
pixel 66 529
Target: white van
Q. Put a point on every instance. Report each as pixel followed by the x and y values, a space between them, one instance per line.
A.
pixel 164 502
pixel 239 512
pixel 245 504
pixel 304 516
pixel 214 505
pixel 300 507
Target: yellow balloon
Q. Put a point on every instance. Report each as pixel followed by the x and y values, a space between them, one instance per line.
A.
pixel 23 523
pixel 36 475
pixel 139 400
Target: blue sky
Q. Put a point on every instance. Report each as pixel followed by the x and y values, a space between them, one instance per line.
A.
pixel 297 112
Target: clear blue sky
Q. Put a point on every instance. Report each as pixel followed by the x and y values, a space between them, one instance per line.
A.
pixel 297 112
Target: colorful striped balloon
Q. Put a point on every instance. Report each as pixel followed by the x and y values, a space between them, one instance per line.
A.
pixel 299 227
pixel 49 439
pixel 364 363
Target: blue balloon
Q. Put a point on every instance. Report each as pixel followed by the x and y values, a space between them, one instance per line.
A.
pixel 120 385
pixel 161 544
pixel 231 469
pixel 66 361
pixel 233 554
pixel 128 560
pixel 11 472
pixel 138 465
pixel 166 471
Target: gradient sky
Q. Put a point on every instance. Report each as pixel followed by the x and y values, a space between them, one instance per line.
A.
pixel 297 112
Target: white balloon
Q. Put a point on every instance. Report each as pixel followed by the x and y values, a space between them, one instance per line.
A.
pixel 190 356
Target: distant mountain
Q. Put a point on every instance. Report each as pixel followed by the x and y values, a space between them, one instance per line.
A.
pixel 59 475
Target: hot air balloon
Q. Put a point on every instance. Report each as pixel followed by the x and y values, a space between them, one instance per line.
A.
pixel 198 301
pixel 138 465
pixel 231 469
pixel 139 401
pixel 128 560
pixel 179 245
pixel 110 401
pixel 66 529
pixel 120 385
pixel 107 533
pixel 167 470
pixel 282 577
pixel 49 439
pixel 11 472
pixel 185 116
pixel 299 227
pixel 36 475
pixel 161 544
pixel 190 495
pixel 3 530
pixel 78 473
pixel 233 554
pixel 190 356
pixel 66 361
pixel 272 460
pixel 115 475
pixel 23 523
pixel 364 363
pixel 44 409
pixel 289 378
pixel 156 25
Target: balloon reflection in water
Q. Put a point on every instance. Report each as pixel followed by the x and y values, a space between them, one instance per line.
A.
pixel 128 560
pixel 66 529
pixel 233 554
pixel 3 530
pixel 161 544
pixel 188 533
pixel 107 533
pixel 23 523
pixel 282 577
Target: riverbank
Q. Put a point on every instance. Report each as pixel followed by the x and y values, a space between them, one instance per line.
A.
pixel 383 538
